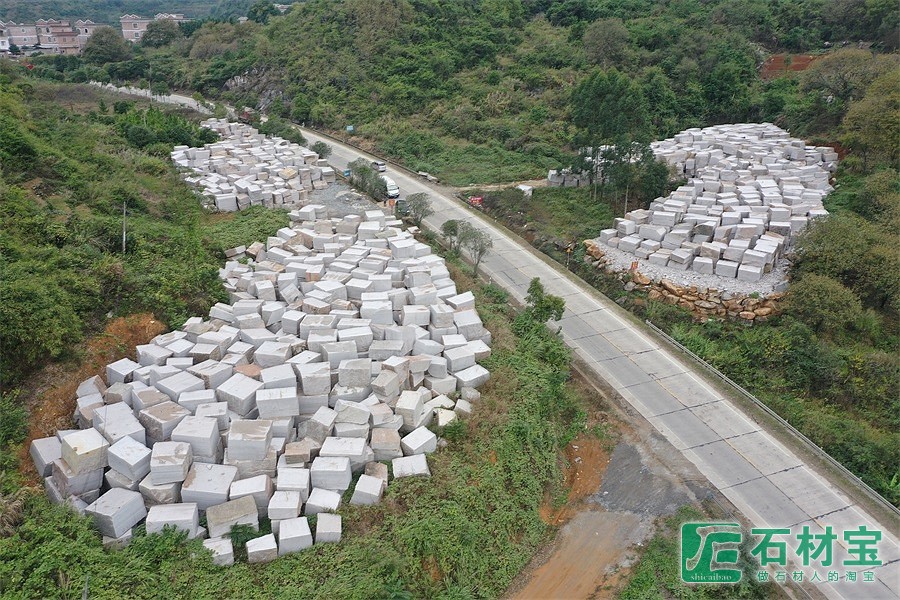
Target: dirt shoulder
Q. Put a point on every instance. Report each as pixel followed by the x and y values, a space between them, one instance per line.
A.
pixel 617 491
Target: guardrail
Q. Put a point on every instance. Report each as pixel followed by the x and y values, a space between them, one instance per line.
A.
pixel 810 445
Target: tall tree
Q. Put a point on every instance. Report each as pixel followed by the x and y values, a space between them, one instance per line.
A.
pixel 261 10
pixel 161 33
pixel 872 125
pixel 106 45
pixel 611 115
pixel 606 42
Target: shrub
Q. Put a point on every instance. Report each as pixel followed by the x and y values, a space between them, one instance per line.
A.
pixel 827 306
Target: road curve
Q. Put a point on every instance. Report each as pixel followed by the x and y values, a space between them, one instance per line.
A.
pixel 762 478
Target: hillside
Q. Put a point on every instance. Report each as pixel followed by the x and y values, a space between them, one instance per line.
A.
pixel 481 92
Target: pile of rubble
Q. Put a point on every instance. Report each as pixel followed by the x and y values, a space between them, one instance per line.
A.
pixel 344 341
pixel 751 189
pixel 246 168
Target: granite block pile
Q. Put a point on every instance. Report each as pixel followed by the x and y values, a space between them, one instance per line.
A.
pixel 246 168
pixel 751 189
pixel 345 348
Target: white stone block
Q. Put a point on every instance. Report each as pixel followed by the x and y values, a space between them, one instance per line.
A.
pixel 208 484
pixel 259 487
pixel 222 551
pixel 419 441
pixel 43 452
pixel 164 493
pixel 473 377
pixel 331 473
pixel 262 549
pixel 131 458
pixel 202 433
pixel 191 400
pixel 410 466
pixel 322 501
pixel 121 370
pixel 221 518
pixel 328 529
pixel 294 535
pixel 179 517
pixel 240 393
pixel 249 440
pixel 368 490
pixel 278 402
pixel 170 462
pixel 296 480
pixel 284 504
pixel 85 451
pixel 117 511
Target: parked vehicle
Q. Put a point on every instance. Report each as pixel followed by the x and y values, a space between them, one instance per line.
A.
pixel 401 209
pixel 393 191
pixel 379 166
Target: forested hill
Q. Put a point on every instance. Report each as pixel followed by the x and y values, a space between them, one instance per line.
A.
pixel 480 90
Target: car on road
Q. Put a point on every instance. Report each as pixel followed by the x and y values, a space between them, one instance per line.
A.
pixel 401 209
pixel 379 166
pixel 393 191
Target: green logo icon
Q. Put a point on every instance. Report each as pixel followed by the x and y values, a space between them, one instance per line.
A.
pixel 709 552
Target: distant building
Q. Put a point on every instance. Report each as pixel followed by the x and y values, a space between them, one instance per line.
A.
pixel 19 34
pixel 134 26
pixel 46 35
pixel 84 30
pixel 58 37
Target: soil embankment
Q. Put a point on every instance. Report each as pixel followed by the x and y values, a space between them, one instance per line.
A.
pixel 615 495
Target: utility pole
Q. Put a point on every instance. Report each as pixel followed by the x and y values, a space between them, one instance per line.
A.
pixel 123 225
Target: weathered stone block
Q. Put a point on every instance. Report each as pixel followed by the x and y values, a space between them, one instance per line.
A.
pixel 208 484
pixel 222 517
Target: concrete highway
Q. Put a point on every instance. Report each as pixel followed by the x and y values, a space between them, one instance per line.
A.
pixel 763 479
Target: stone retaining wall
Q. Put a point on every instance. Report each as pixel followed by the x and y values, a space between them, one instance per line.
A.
pixel 704 303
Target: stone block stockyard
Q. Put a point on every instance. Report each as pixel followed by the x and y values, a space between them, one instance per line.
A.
pixel 246 168
pixel 345 348
pixel 751 189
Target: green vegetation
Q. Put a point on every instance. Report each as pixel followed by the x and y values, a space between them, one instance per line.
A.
pixel 567 214
pixel 489 91
pixel 66 177
pixel 365 178
pixel 419 206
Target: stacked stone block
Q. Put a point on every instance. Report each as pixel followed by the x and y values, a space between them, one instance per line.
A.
pixel 751 189
pixel 276 406
pixel 246 168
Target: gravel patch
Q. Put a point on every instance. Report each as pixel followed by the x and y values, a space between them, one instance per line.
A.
pixel 342 200
pixel 770 283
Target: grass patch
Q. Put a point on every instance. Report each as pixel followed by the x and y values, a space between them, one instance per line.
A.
pixel 656 575
pixel 567 214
